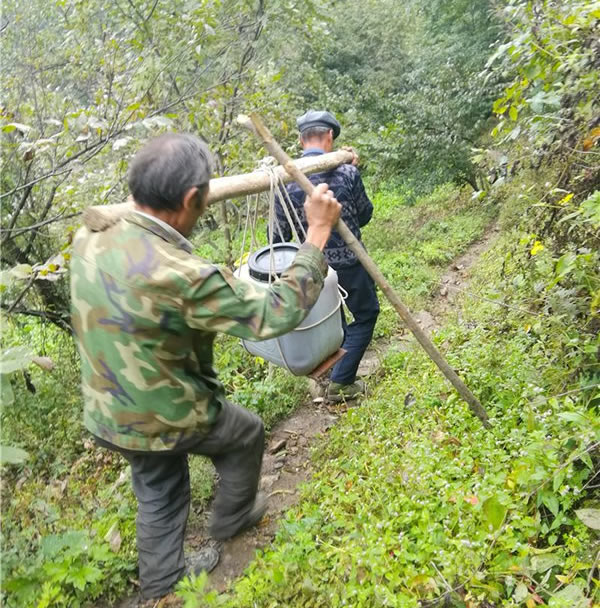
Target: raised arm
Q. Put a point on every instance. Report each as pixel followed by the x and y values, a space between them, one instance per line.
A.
pixel 224 303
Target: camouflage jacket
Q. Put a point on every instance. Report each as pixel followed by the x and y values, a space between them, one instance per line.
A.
pixel 357 209
pixel 145 313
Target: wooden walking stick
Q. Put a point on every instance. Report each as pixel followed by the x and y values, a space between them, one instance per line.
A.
pixel 255 124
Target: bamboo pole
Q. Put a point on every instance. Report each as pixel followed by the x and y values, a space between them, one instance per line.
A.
pixel 255 124
pixel 99 217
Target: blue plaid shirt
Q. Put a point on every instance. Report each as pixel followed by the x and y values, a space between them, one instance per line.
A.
pixel 357 209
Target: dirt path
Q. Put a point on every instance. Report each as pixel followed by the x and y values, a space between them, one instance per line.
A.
pixel 287 456
pixel 286 465
pixel 456 279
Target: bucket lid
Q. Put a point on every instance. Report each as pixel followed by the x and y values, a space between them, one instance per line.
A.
pixel 259 264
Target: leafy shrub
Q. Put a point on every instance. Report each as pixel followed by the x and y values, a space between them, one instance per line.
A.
pixel 59 564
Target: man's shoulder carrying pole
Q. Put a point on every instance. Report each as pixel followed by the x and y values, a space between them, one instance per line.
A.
pixel 100 217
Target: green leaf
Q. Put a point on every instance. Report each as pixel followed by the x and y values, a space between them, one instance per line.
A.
pixel 590 517
pixel 541 563
pixel 84 575
pixel 493 512
pixel 558 479
pixel 16 126
pixel 21 271
pixel 12 455
pixel 565 264
pixel 551 502
pixel 575 417
pixel 6 279
pixel 571 596
pixel 521 592
pixel 587 460
pixel 513 113
pixel 74 540
pixel 15 358
pixel 7 395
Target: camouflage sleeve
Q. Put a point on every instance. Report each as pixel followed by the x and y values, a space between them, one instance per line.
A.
pixel 225 303
pixel 364 206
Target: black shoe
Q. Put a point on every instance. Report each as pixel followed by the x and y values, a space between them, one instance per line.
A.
pixel 204 560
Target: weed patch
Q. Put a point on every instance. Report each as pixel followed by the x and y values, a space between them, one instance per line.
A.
pixel 413 501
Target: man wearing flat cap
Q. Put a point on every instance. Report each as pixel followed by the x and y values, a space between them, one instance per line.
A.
pixel 318 130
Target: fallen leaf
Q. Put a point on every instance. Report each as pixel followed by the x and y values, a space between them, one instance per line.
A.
pixel 438 436
pixel 44 362
pixel 113 538
pixel 590 517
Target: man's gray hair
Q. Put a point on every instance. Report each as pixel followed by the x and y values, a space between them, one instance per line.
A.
pixel 314 132
pixel 167 167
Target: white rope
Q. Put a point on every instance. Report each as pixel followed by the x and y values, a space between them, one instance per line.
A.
pixel 254 244
pixel 252 232
pixel 316 323
pixel 243 249
pixel 271 226
pixel 277 189
pixel 284 196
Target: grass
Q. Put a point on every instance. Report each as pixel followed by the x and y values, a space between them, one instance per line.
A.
pixel 412 244
pixel 68 486
pixel 413 501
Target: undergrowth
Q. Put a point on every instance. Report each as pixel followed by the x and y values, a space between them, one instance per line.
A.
pixel 64 507
pixel 68 528
pixel 68 514
pixel 412 244
pixel 413 503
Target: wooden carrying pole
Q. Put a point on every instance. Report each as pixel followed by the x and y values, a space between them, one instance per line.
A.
pixel 255 124
pixel 99 217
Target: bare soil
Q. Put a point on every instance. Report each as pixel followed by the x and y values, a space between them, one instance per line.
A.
pixel 286 465
pixel 456 279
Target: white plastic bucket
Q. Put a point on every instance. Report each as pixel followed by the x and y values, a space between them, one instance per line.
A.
pixel 317 337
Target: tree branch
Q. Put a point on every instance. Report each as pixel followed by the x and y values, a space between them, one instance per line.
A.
pixel 58 319
pixel 56 218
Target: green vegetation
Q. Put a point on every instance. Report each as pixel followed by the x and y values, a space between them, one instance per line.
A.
pixel 412 245
pixel 58 498
pixel 422 499
pixel 466 115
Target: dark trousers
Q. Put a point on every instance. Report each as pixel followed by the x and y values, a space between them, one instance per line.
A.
pixel 364 306
pixel 161 483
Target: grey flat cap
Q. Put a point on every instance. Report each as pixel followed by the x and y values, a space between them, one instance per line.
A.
pixel 317 118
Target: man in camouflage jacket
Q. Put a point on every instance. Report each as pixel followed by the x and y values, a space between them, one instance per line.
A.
pixel 145 312
pixel 318 129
